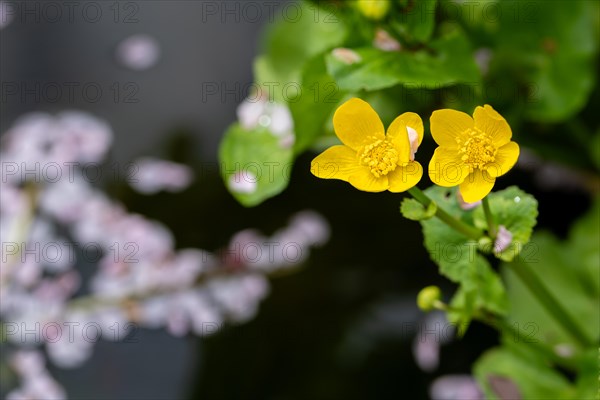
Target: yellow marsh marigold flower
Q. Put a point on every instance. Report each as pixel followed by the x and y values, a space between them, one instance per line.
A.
pixel 472 152
pixel 369 159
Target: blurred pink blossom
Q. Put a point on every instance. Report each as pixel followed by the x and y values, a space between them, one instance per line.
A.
pixel 138 52
pixel 455 387
pixel 140 276
pixel 153 175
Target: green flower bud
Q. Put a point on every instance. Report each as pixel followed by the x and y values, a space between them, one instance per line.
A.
pixel 373 9
pixel 428 297
pixel 485 245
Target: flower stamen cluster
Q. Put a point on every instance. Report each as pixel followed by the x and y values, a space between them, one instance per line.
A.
pixel 477 150
pixel 380 156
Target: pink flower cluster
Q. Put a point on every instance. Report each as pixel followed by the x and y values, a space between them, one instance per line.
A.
pixel 55 223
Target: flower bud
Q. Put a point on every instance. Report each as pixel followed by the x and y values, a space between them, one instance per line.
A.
pixel 373 9
pixel 485 245
pixel 503 239
pixel 428 297
pixel 413 139
pixel 463 204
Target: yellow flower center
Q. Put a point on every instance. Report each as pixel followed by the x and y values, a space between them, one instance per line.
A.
pixel 380 156
pixel 477 149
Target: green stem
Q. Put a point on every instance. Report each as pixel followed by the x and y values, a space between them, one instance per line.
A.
pixel 449 220
pixel 553 307
pixel 492 228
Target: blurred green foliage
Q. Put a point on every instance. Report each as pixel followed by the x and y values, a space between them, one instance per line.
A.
pixel 570 270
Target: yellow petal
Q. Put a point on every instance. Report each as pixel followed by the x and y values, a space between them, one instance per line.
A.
pixel 447 124
pixel 398 136
pixel 505 159
pixel 477 185
pixel 364 180
pixel 446 168
pixel 411 120
pixel 489 121
pixel 355 121
pixel 403 178
pixel 337 162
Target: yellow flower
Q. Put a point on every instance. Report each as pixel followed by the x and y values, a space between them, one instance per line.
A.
pixel 472 152
pixel 373 9
pixel 369 159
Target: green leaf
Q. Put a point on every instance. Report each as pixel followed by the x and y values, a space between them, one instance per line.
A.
pixel 300 34
pixel 533 378
pixel 453 252
pixel 588 379
pixel 416 24
pixel 480 286
pixel 265 76
pixel 582 246
pixel 318 97
pixel 487 293
pixel 412 209
pixel 570 270
pixel 553 50
pixel 448 61
pixel 255 160
pixel 517 212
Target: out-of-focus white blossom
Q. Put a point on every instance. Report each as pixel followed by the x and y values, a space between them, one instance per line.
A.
pixel 6 13
pixel 238 297
pixel 153 175
pixel 28 363
pixel 84 137
pixel 287 247
pixel 483 57
pixel 43 147
pixel 384 41
pixel 36 382
pixel 258 111
pixel 138 52
pixel 347 56
pixel 66 200
pixel 433 332
pixel 13 200
pixel 313 226
pixel 73 353
pixel 140 276
pixel 455 387
pixel 243 182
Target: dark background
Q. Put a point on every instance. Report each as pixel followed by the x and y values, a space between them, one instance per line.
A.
pixel 330 331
